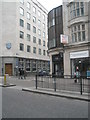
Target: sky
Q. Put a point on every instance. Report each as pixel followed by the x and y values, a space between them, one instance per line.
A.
pixel 50 4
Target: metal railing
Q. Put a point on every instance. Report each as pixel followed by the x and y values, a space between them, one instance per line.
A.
pixel 65 83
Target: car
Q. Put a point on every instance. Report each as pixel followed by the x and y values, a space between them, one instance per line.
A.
pixel 42 73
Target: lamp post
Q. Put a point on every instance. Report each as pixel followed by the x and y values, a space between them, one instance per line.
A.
pixel 80 76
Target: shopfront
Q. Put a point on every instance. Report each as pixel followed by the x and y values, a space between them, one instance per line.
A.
pixel 81 61
pixel 57 63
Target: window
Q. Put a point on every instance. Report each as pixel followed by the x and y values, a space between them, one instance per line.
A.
pixel 28 5
pixel 28 37
pixel 39 13
pixel 28 65
pixel 21 23
pixel 76 9
pixel 34 66
pixel 39 32
pixel 43 34
pixel 34 29
pixel 34 10
pixel 78 27
pixel 22 1
pixel 39 41
pixel 34 19
pixel 28 15
pixel 79 36
pixel 34 39
pixel 34 50
pixel 21 34
pixel 21 47
pixel 83 36
pixel 43 26
pixel 21 11
pixel 28 26
pixel 28 48
pixel 78 33
pixel 39 23
pixel 83 27
pixel 43 43
pixel 39 51
pixel 43 52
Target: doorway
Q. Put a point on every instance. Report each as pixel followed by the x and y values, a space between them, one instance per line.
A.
pixel 8 69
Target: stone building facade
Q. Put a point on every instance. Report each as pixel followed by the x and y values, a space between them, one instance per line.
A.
pixel 23 37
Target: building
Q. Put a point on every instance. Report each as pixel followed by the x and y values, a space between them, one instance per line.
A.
pixel 76 19
pixel 55 28
pixel 23 43
pixel 75 54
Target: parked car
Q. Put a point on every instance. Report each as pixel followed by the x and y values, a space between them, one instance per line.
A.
pixel 43 73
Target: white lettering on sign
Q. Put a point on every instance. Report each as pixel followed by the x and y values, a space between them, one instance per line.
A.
pixel 81 54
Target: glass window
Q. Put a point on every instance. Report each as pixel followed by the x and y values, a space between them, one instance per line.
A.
pixel 78 27
pixel 28 65
pixel 34 39
pixel 72 38
pixel 39 23
pixel 77 3
pixel 43 43
pixel 43 52
pixel 28 15
pixel 75 35
pixel 28 5
pixel 21 47
pixel 79 36
pixel 28 26
pixel 74 28
pixel 34 29
pixel 39 32
pixel 78 12
pixel 81 4
pixel 21 34
pixel 21 23
pixel 53 21
pixel 34 50
pixel 83 35
pixel 28 48
pixel 21 11
pixel 34 66
pixel 39 41
pixel 28 37
pixel 43 34
pixel 82 11
pixel 39 51
pixel 34 19
pixel 34 10
pixel 83 27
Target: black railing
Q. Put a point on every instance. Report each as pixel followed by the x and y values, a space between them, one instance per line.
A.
pixel 66 83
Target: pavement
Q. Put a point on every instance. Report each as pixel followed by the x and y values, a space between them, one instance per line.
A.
pixel 61 93
pixel 28 85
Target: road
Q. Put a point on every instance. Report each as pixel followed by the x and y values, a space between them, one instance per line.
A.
pixel 20 104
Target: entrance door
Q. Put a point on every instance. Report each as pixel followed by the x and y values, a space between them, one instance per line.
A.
pixel 8 69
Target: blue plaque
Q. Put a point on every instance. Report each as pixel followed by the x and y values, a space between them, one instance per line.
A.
pixel 8 45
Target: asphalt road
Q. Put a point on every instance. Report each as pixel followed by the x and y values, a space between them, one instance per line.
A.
pixel 20 104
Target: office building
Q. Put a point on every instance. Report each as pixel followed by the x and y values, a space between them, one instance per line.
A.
pixel 23 43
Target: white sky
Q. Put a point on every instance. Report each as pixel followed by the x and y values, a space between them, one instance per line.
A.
pixel 50 4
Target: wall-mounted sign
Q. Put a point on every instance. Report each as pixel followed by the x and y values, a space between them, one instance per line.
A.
pixel 80 54
pixel 8 45
pixel 64 39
